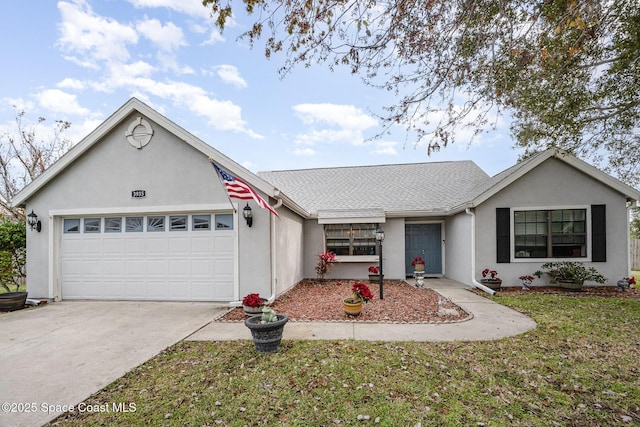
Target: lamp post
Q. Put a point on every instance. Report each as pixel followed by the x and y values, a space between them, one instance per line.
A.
pixel 379 239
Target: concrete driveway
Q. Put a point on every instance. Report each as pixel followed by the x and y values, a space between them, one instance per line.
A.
pixel 61 353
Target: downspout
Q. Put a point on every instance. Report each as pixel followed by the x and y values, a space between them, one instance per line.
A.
pixel 272 237
pixel 474 282
pixel 629 266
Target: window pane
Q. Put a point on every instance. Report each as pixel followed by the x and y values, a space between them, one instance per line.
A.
pixel 92 225
pixel 155 223
pixel 71 225
pixel 224 222
pixel 133 224
pixel 178 222
pixel 201 222
pixel 112 225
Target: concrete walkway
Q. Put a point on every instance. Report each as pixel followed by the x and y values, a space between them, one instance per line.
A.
pixel 490 321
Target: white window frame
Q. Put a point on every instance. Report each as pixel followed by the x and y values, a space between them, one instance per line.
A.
pixel 588 237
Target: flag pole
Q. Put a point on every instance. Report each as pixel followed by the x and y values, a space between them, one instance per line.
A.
pixel 222 183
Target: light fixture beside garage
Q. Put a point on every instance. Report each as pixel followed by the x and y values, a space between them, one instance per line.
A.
pixel 247 213
pixel 32 220
pixel 139 133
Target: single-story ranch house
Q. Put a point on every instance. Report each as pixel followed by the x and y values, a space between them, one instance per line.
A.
pixel 135 211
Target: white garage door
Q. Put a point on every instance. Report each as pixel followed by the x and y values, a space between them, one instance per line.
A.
pixel 174 257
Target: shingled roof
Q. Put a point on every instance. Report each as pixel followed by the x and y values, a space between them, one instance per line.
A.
pixel 398 190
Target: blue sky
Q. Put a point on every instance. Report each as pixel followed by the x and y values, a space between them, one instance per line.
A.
pixel 80 60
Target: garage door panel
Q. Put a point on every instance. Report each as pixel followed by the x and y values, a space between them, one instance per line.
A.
pixel 135 246
pixel 149 265
pixel 202 267
pixel 92 246
pixel 113 267
pixel 156 267
pixel 112 247
pixel 134 267
pixel 178 245
pixel 92 268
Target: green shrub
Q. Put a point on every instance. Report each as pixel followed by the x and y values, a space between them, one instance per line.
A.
pixel 13 254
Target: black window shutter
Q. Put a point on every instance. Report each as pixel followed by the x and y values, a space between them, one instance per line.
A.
pixel 598 233
pixel 503 235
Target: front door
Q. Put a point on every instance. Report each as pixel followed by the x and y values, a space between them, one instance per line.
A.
pixel 424 240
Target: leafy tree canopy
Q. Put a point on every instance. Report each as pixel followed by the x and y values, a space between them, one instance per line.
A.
pixel 566 71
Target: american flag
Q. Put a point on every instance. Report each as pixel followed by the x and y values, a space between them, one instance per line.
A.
pixel 238 189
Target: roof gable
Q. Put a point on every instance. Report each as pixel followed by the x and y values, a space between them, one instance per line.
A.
pixel 505 178
pixel 130 107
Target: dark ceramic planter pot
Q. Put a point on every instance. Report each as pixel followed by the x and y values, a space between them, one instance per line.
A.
pixel 492 284
pixel 267 336
pixel 570 285
pixel 12 301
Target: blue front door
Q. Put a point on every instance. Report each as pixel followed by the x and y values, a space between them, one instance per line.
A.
pixel 424 240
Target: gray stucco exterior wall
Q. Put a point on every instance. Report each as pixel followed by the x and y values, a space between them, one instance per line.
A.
pixel 458 248
pixel 553 185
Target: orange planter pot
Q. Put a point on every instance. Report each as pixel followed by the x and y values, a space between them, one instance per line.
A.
pixel 352 309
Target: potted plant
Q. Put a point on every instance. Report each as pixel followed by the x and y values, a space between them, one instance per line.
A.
pixel 418 264
pixel 361 293
pixel 571 274
pixel 490 279
pixel 526 281
pixel 626 283
pixel 374 273
pixel 266 330
pixel 253 304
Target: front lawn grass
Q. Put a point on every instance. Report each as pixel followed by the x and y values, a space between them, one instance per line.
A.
pixel 580 367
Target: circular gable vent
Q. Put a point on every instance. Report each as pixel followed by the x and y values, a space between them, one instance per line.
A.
pixel 139 133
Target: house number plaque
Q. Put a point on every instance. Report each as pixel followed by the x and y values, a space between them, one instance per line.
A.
pixel 138 194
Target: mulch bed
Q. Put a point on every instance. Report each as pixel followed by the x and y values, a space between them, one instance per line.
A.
pixel 321 300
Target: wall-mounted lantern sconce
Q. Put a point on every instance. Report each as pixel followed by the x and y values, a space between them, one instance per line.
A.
pixel 248 215
pixel 380 239
pixel 32 220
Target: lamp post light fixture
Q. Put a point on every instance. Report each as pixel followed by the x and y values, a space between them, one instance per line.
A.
pixel 247 213
pixel 379 239
pixel 32 220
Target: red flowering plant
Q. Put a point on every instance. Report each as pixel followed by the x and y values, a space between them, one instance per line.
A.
pixel 252 300
pixel 374 269
pixel 417 260
pixel 630 280
pixel 326 260
pixel 490 275
pixel 361 292
pixel 526 281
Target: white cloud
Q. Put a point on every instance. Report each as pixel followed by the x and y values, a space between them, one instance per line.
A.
pixel 90 38
pixel 222 115
pixel 230 74
pixel 167 37
pixel 344 116
pixel 189 7
pixel 214 37
pixel 387 148
pixel 69 83
pixel 61 102
pixel 338 124
pixel 304 152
